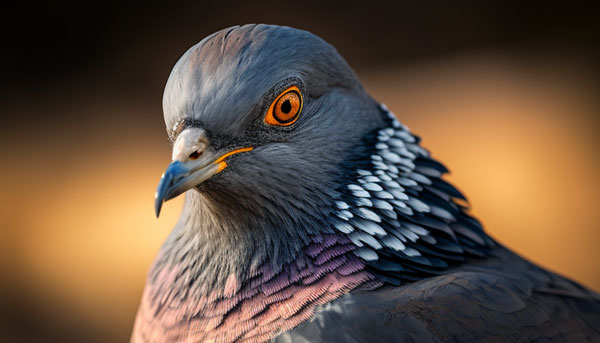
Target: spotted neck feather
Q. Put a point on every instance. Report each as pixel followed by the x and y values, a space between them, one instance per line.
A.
pixel 392 220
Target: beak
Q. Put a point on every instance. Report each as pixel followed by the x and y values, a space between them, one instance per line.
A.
pixel 183 175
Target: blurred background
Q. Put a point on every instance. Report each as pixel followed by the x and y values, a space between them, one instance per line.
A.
pixel 505 93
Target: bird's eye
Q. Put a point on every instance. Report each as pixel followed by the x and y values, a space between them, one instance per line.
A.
pixel 286 108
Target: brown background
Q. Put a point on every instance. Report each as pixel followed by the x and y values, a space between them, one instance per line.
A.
pixel 505 93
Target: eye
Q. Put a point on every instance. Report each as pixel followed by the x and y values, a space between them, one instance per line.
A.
pixel 286 108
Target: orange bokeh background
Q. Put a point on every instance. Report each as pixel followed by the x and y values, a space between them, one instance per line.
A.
pixel 82 158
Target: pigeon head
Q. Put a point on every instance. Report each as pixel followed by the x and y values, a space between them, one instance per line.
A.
pixel 262 119
pixel 299 188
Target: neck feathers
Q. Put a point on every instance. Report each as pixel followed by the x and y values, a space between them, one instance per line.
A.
pixel 391 220
pixel 255 309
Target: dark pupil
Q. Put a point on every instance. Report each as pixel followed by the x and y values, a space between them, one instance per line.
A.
pixel 286 107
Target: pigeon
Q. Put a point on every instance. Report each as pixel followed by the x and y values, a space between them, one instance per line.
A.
pixel 312 214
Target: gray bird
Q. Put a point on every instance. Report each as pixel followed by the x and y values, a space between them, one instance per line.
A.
pixel 313 215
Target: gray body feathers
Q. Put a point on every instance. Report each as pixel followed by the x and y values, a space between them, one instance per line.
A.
pixel 503 298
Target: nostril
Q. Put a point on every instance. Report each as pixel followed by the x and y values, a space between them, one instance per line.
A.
pixel 194 155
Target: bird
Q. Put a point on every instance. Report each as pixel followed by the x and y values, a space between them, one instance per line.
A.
pixel 312 214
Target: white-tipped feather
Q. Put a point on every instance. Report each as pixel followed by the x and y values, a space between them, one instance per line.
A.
pixel 361 194
pixel 393 242
pixel 359 237
pixel 372 187
pixel 345 214
pixel 381 204
pixel 343 227
pixel 370 228
pixel 342 205
pixel 364 202
pixel 366 254
pixel 368 214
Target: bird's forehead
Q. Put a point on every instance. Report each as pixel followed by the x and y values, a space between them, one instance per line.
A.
pixel 231 70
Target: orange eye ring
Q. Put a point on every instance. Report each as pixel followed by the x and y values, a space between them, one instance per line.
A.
pixel 285 110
